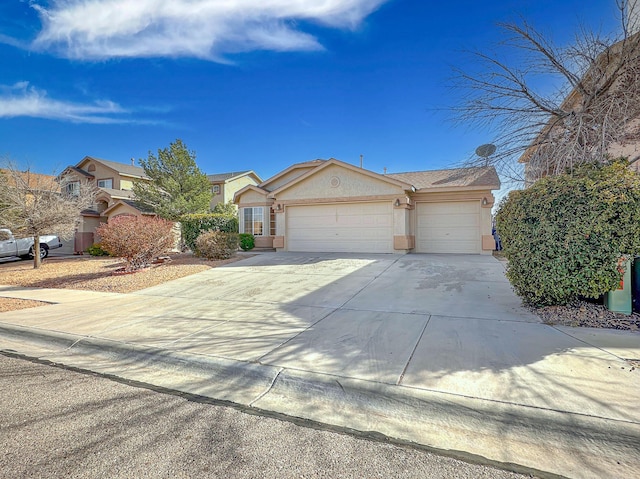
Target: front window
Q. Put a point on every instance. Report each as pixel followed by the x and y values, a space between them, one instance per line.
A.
pixel 216 189
pixel 107 183
pixel 254 220
pixel 73 188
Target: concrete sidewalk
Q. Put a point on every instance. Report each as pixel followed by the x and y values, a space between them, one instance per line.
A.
pixel 430 349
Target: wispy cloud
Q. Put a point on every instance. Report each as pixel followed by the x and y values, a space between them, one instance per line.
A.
pixel 21 99
pixel 102 29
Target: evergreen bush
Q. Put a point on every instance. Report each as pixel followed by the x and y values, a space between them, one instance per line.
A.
pixel 247 241
pixel 564 236
pixel 193 225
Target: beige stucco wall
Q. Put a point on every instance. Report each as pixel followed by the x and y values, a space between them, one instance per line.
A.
pixel 216 198
pixel 252 197
pixel 123 209
pixel 338 182
pixel 89 224
pixel 232 187
pixel 290 176
pixel 101 172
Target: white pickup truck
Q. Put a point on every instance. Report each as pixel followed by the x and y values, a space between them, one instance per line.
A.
pixel 23 247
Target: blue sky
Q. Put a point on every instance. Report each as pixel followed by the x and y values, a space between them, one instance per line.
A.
pixel 252 84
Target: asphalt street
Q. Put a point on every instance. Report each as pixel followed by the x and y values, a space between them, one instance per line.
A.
pixel 60 423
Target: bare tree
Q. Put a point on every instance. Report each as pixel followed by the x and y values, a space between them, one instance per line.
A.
pixel 593 112
pixel 32 204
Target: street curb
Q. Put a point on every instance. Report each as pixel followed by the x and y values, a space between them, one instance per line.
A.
pixel 543 442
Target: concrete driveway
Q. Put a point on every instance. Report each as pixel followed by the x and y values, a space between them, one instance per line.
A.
pixel 367 342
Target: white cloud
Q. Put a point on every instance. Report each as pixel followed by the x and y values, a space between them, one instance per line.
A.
pixel 102 29
pixel 21 99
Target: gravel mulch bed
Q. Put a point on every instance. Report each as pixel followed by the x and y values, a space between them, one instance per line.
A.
pixel 96 274
pixel 13 304
pixel 585 314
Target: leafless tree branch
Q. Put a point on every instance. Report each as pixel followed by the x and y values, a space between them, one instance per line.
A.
pixel 593 112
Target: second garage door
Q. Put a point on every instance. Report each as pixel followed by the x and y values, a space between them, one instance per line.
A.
pixel 350 227
pixel 452 227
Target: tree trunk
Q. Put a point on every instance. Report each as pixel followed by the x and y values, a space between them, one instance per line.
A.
pixel 36 252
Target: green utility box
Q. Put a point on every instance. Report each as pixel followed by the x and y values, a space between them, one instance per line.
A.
pixel 619 301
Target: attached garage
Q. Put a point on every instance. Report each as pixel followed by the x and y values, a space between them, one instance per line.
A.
pixel 341 228
pixel 449 227
pixel 331 206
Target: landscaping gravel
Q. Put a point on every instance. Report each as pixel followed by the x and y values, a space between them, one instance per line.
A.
pixel 97 273
pixel 12 304
pixel 590 315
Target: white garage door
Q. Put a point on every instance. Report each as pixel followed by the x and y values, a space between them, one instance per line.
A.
pixel 452 227
pixel 351 227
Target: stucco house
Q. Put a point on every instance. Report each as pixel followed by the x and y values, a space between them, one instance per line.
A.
pixel 598 118
pixel 333 206
pixel 115 196
pixel 225 185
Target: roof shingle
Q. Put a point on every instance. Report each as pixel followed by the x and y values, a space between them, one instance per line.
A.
pixel 457 177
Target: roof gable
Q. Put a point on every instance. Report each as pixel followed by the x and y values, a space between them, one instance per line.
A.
pixel 251 191
pixel 120 168
pixel 335 178
pixel 226 177
pixel 279 179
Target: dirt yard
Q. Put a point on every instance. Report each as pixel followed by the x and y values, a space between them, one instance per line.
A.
pixel 95 274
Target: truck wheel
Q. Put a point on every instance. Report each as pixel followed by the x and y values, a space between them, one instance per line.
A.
pixel 44 252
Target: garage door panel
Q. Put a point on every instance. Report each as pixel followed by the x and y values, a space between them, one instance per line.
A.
pixel 366 227
pixel 452 227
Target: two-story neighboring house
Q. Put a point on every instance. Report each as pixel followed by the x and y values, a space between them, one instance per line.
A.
pixel 115 197
pixel 225 185
pixel 599 118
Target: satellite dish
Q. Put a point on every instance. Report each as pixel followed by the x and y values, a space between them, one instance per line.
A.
pixel 485 151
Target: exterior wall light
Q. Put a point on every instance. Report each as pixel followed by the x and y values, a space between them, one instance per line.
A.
pixel 397 203
pixel 484 201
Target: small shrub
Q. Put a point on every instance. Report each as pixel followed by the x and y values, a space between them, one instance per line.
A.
pixel 96 250
pixel 136 239
pixel 195 224
pixel 217 245
pixel 247 241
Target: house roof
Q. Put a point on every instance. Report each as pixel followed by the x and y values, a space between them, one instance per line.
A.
pixel 79 171
pixel 122 168
pixel 118 194
pixel 458 177
pixel 221 177
pixel 295 166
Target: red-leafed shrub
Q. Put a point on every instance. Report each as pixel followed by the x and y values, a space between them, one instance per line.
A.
pixel 136 239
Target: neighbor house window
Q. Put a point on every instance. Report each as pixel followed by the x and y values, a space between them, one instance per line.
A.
pixel 73 188
pixel 253 220
pixel 216 189
pixel 107 183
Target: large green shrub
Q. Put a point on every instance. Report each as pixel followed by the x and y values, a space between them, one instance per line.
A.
pixel 195 224
pixel 217 245
pixel 564 236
